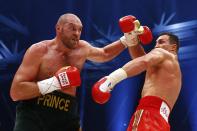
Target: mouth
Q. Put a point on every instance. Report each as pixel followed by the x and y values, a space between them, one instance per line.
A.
pixel 75 42
pixel 75 39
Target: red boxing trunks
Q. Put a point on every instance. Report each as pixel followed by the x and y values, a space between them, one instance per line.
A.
pixel 151 115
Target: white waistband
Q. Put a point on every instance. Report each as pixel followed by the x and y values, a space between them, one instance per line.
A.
pixel 164 111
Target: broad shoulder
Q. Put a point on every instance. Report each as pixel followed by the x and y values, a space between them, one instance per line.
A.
pixel 84 43
pixel 160 51
pixel 39 48
pixel 163 56
pixel 86 46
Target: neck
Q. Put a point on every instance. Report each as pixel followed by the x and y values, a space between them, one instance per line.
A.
pixel 173 52
pixel 59 46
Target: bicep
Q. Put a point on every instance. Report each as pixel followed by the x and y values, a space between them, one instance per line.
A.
pixel 95 54
pixel 26 72
pixel 28 69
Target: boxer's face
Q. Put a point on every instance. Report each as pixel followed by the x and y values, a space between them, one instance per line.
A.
pixel 70 33
pixel 164 42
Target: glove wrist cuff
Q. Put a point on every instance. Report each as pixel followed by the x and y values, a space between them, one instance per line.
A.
pixel 48 85
pixel 117 76
pixel 129 40
pixel 123 41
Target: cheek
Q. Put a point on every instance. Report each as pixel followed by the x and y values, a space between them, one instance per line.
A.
pixel 65 35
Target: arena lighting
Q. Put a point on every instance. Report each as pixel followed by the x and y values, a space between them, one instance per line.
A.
pixel 14 24
pixel 183 30
pixel 10 52
pixel 186 31
pixel 188 53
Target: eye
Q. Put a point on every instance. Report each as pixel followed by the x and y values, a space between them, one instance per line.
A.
pixel 160 41
pixel 80 29
pixel 73 28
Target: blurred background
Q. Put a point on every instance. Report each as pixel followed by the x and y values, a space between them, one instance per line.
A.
pixel 25 22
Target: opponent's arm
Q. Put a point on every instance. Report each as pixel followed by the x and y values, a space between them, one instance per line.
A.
pixel 136 51
pixel 140 64
pixel 101 89
pixel 134 34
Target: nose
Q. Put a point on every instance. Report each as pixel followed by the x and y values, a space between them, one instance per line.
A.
pixel 157 45
pixel 77 33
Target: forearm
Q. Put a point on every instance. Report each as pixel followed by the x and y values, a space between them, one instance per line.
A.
pixel 130 69
pixel 24 91
pixel 112 50
pixel 135 67
pixel 136 51
pixel 134 36
pixel 101 89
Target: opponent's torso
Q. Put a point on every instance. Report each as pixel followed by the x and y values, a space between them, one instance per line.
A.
pixel 53 60
pixel 163 80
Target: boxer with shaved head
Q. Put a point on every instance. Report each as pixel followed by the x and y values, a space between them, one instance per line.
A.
pixel 47 79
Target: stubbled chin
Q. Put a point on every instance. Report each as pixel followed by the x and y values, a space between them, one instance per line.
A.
pixel 75 41
pixel 75 44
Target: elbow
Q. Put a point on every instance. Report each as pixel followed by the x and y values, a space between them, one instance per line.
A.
pixel 142 66
pixel 146 61
pixel 145 64
pixel 14 98
pixel 104 58
pixel 14 95
pixel 107 57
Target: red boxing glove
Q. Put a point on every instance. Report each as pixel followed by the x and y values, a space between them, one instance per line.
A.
pixel 65 77
pixel 126 23
pixel 101 89
pixel 100 95
pixel 133 32
pixel 68 77
pixel 146 37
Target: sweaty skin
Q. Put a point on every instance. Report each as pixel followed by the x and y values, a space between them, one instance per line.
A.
pixel 163 74
pixel 44 58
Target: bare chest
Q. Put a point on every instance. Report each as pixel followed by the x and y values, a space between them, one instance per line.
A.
pixel 53 61
pixel 165 78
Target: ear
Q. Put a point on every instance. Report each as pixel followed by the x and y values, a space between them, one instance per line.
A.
pixel 57 27
pixel 174 46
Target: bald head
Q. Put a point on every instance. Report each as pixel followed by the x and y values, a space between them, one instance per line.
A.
pixel 68 30
pixel 68 18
